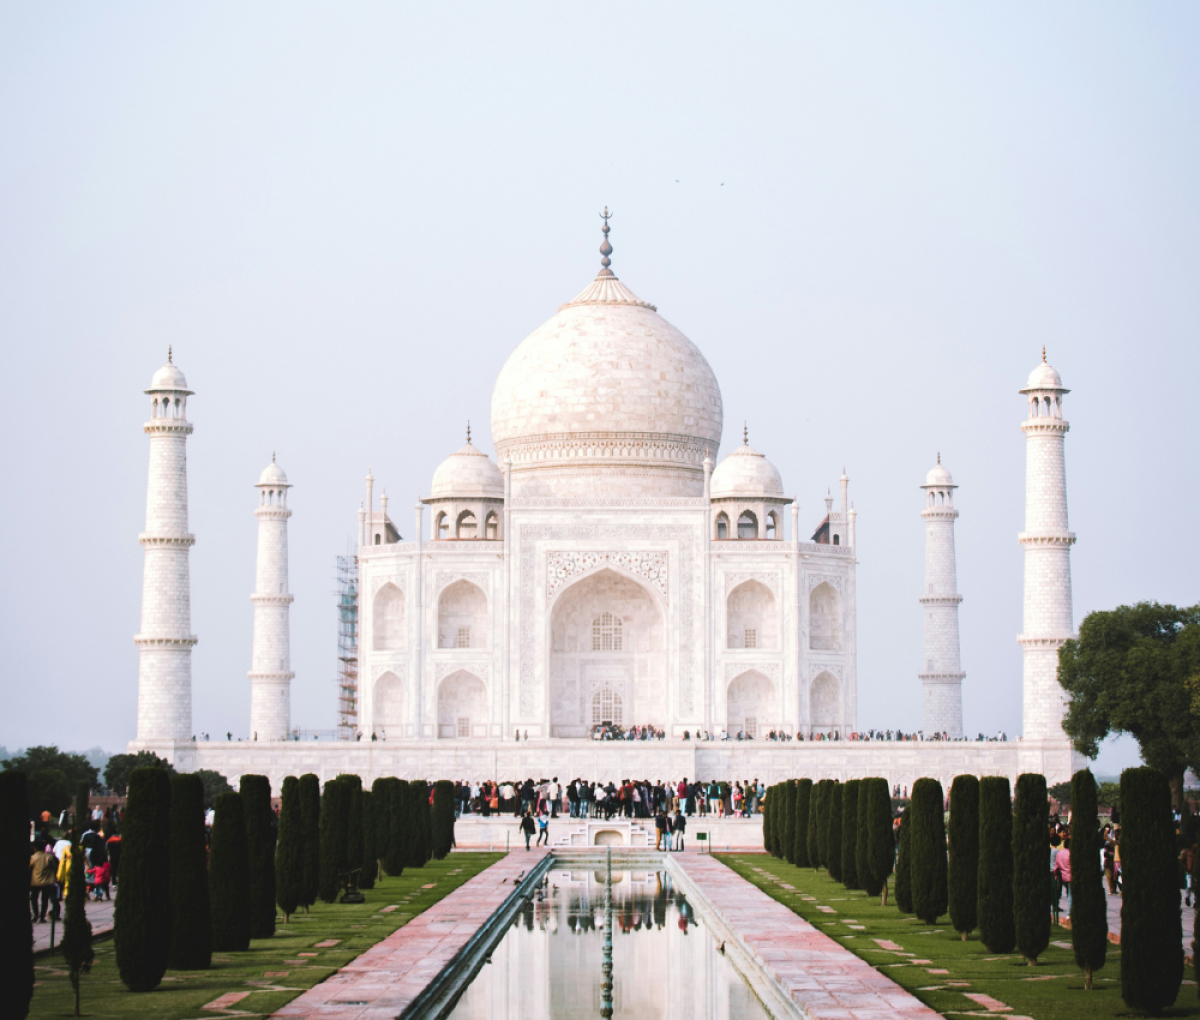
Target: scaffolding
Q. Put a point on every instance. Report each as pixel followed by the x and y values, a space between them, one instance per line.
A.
pixel 347 678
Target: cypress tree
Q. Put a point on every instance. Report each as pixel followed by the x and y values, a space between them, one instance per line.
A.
pixel 397 819
pixel 16 928
pixel 1151 930
pixel 997 930
pixel 927 842
pixel 335 820
pixel 880 837
pixel 289 851
pixel 833 841
pixel 370 858
pixel 768 820
pixel 787 848
pixel 862 859
pixel 426 821
pixel 904 897
pixel 1031 867
pixel 1089 907
pixel 77 929
pixel 260 851
pixel 443 818
pixel 142 914
pixel 310 822
pixel 813 837
pixel 229 876
pixel 354 823
pixel 964 854
pixel 802 806
pixel 380 814
pixel 850 834
pixel 191 918
pixel 414 855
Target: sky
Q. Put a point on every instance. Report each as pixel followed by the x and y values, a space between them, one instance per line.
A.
pixel 869 217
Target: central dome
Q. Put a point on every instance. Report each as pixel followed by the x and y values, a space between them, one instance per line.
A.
pixel 607 398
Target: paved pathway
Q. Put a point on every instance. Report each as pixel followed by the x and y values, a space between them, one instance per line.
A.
pixel 100 913
pixel 824 978
pixel 1114 917
pixel 384 980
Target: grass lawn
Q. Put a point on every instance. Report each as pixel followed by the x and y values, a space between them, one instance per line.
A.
pixel 935 964
pixel 273 971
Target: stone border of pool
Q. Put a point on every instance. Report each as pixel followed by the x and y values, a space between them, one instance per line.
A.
pixel 420 970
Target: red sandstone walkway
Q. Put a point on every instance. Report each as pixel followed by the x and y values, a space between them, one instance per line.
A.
pixel 825 979
pixel 383 981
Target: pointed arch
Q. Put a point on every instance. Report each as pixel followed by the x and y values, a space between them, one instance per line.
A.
pixel 750 704
pixel 462 707
pixel 387 705
pixel 387 619
pixel 463 616
pixel 751 617
pixel 825 701
pixel 825 618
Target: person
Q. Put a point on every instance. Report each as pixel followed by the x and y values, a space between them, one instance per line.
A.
pixel 64 873
pixel 679 827
pixel 1187 860
pixel 543 830
pixel 527 827
pixel 98 878
pixel 1110 874
pixel 554 791
pixel 660 829
pixel 43 873
pixel 1062 864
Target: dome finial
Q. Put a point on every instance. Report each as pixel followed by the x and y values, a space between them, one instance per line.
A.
pixel 1043 354
pixel 171 360
pixel 745 433
pixel 468 431
pixel 272 456
pixel 939 456
pixel 605 248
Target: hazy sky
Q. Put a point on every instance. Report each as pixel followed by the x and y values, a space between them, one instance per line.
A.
pixel 869 217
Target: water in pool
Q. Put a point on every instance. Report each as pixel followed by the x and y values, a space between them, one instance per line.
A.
pixel 548 966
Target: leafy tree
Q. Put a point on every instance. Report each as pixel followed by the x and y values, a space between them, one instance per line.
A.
pixel 850 834
pixel 996 926
pixel 904 897
pixel 191 916
pixel 229 876
pixel 1031 867
pixel 335 821
pixel 214 784
pixel 142 914
pixel 289 851
pixel 812 838
pixel 1151 928
pixel 310 821
pixel 16 931
pixel 833 841
pixel 51 777
pixel 260 854
pixel 1061 792
pixel 964 854
pixel 1128 672
pixel 121 766
pixel 927 843
pixel 802 809
pixel 878 835
pixel 443 818
pixel 787 833
pixel 370 858
pixel 1089 907
pixel 77 929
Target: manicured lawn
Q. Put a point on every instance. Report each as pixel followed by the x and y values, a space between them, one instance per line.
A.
pixel 273 971
pixel 934 963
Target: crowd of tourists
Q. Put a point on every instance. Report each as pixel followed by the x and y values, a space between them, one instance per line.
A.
pixel 50 859
pixel 614 731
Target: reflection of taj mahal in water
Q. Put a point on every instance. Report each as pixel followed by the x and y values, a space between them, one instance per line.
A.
pixel 611 567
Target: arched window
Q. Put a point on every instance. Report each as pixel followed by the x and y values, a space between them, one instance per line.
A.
pixel 772 525
pixel 491 526
pixel 837 539
pixel 466 525
pixel 389 618
pixel 825 618
pixel 722 526
pixel 442 527
pixel 606 633
pixel 607 707
pixel 377 540
pixel 747 525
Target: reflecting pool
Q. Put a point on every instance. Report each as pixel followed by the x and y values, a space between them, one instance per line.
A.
pixel 664 961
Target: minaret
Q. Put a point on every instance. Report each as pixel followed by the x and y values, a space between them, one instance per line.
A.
pixel 271 663
pixel 165 641
pixel 1048 619
pixel 941 680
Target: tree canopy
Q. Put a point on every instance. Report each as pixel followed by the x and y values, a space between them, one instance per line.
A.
pixel 116 772
pixel 52 776
pixel 1133 670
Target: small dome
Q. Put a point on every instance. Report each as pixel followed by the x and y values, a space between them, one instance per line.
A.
pixel 747 473
pixel 1043 378
pixel 939 477
pixel 273 475
pixel 168 378
pixel 467 473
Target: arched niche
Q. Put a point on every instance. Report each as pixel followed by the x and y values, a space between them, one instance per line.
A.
pixel 387 619
pixel 586 656
pixel 750 704
pixel 462 707
pixel 825 702
pixel 751 617
pixel 462 616
pixel 747 525
pixel 387 706
pixel 825 618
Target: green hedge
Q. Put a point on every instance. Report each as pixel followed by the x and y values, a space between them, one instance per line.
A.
pixel 964 854
pixel 801 809
pixel 904 897
pixel 16 929
pixel 443 818
pixel 997 930
pixel 191 916
pixel 1151 928
pixel 1031 866
pixel 260 854
pixel 880 837
pixel 370 856
pixel 833 840
pixel 142 914
pixel 229 876
pixel 310 821
pixel 927 843
pixel 416 852
pixel 850 834
pixel 1089 905
pixel 815 810
pixel 768 820
pixel 289 850
pixel 396 853
pixel 788 829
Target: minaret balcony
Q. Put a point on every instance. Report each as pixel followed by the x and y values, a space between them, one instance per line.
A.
pixel 177 541
pixel 1062 539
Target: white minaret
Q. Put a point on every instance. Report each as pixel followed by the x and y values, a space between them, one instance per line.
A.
pixel 165 641
pixel 271 661
pixel 1048 619
pixel 941 680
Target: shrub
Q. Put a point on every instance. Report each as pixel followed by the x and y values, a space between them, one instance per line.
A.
pixel 260 854
pixel 354 826
pixel 289 851
pixel 904 897
pixel 1151 930
pixel 997 930
pixel 964 854
pixel 310 821
pixel 77 929
pixel 787 834
pixel 850 834
pixel 768 821
pixel 928 845
pixel 426 816
pixel 880 837
pixel 228 876
pixel 142 914
pixel 215 784
pixel 1089 906
pixel 802 805
pixel 443 818
pixel 813 837
pixel 191 917
pixel 1031 867
pixel 415 854
pixel 335 820
pixel 370 857
pixel 381 816
pixel 16 930
pixel 833 841
pixel 396 849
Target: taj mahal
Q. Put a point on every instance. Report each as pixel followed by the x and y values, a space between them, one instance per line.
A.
pixel 614 566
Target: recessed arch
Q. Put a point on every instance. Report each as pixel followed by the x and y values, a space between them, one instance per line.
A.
pixel 722 525
pixel 387 706
pixel 747 525
pixel 462 616
pixel 466 526
pixel 387 617
pixel 825 618
pixel 462 707
pixel 750 702
pixel 825 701
pixel 752 620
